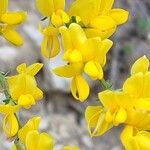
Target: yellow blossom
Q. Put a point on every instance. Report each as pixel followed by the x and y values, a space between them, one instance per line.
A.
pixel 32 124
pixel 50 46
pixel 34 140
pixel 103 20
pixel 9 21
pixel 112 113
pixel 10 123
pixel 23 87
pixel 53 9
pixel 83 56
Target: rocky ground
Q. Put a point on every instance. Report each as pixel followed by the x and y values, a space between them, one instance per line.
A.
pixel 62 116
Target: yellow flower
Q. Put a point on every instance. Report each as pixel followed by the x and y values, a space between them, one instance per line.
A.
pixel 32 124
pixel 83 56
pixel 135 140
pixel 9 20
pixel 137 87
pixel 53 9
pixel 70 148
pixel 50 46
pixel 34 140
pixel 103 20
pixel 23 87
pixel 112 113
pixel 10 123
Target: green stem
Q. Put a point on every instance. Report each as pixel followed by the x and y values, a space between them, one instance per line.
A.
pixel 105 85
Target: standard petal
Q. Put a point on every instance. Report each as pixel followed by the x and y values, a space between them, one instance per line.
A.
pixel 134 85
pixel 21 68
pixel 34 69
pixel 77 34
pixel 94 70
pixel 105 6
pixel 101 23
pixel 59 4
pixel 107 98
pixel 66 38
pixel 45 7
pixel 70 70
pixel 14 18
pixel 80 88
pixel 141 65
pixel 78 9
pixel 119 15
pixel 3 6
pixel 12 36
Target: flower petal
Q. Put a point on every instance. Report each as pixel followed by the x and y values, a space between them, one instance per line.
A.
pixel 80 88
pixel 10 125
pixel 34 69
pixel 141 65
pixel 59 4
pixel 14 18
pixel 95 117
pixel 79 5
pixel 32 140
pixel 45 7
pixel 105 6
pixel 4 6
pixel 32 124
pixel 12 36
pixel 46 142
pixel 94 70
pixel 101 23
pixel 50 46
pixel 119 15
pixel 126 134
pixel 70 70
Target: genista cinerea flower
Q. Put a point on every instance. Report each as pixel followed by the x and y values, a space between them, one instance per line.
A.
pixel 23 87
pixel 129 106
pixel 34 140
pixel 82 55
pixel 53 9
pixel 112 112
pixel 98 17
pixel 10 123
pixel 9 21
pixel 50 46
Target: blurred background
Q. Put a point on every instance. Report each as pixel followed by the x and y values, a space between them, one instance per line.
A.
pixel 62 116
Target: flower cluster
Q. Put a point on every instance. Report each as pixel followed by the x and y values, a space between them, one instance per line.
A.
pixel 9 21
pixel 129 106
pixel 21 92
pixel 84 37
pixel 84 30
